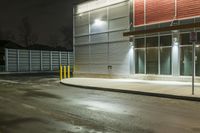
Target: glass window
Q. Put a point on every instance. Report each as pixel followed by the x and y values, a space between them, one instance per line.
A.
pixel 152 42
pixel 198 37
pixel 165 61
pixel 185 39
pixel 139 62
pixel 186 61
pixel 166 40
pixel 197 61
pixel 152 61
pixel 139 43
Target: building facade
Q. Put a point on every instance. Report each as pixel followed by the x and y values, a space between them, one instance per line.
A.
pixel 136 37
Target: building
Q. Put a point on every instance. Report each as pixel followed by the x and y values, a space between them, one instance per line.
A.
pixel 136 38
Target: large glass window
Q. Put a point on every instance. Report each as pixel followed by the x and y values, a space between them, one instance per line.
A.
pixel 166 40
pixel 186 61
pixel 165 54
pixel 140 63
pixel 185 55
pixel 197 60
pixel 140 56
pixel 152 55
pixel 165 61
pixel 139 43
pixel 185 39
pixel 152 61
pixel 198 55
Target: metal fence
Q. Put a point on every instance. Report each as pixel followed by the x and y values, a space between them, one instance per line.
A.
pixel 19 60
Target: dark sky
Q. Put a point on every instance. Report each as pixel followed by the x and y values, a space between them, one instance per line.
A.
pixel 46 16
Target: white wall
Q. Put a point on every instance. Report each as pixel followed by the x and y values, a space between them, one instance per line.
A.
pixel 98 37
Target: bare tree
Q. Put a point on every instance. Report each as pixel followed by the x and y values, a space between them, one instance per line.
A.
pixel 27 37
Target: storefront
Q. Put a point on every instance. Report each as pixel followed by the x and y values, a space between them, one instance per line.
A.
pixel 136 37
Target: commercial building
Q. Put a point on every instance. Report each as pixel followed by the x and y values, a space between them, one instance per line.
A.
pixel 137 38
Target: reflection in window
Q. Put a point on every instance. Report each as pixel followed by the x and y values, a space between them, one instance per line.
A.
pixel 139 56
pixel 165 61
pixel 197 60
pixel 186 61
pixel 152 61
pixel 139 43
pixel 185 39
pixel 152 55
pixel 152 42
pixel 198 55
pixel 166 40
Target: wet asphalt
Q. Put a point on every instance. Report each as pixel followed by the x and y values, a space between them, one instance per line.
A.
pixel 40 104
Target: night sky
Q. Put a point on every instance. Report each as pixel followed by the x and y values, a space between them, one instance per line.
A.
pixel 46 17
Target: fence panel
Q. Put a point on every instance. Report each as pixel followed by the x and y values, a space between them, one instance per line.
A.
pixel 35 60
pixel 46 60
pixel 18 60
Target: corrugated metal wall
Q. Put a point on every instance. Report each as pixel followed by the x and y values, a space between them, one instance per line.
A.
pixel 99 40
pixel 156 11
pixel 35 60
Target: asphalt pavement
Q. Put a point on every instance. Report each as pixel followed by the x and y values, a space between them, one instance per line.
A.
pixel 40 104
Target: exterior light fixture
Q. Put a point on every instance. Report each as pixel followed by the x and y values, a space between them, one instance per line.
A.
pixel 98 22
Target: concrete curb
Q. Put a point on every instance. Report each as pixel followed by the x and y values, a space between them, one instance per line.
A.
pixel 160 95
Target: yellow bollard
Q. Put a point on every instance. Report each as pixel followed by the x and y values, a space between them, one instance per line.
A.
pixel 65 72
pixel 61 72
pixel 68 71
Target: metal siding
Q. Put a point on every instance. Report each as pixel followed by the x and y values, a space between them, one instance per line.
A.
pixel 55 60
pixel 12 60
pixel 24 60
pixel 118 11
pixel 119 58
pixel 99 38
pixel 188 8
pixel 159 10
pixel 35 60
pixel 64 58
pixel 46 60
pixel 139 12
pixel 93 57
pixel 120 23
pixel 117 36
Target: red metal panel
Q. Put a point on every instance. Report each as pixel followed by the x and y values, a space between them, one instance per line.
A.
pixel 188 8
pixel 160 10
pixel 139 12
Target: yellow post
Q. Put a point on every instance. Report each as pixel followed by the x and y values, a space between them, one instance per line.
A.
pixel 65 72
pixel 68 71
pixel 61 72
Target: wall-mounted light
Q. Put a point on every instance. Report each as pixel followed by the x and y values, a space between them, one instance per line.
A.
pixel 98 22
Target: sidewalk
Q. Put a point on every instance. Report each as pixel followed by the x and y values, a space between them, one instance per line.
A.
pixel 166 89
